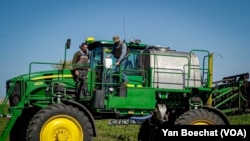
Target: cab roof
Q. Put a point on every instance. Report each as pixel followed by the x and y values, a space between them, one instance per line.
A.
pixel 111 43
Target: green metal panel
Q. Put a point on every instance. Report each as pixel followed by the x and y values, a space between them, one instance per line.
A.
pixel 137 98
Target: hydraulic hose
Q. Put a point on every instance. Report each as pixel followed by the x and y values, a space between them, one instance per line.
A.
pixel 136 118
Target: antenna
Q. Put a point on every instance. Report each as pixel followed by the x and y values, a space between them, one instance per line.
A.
pixel 124 27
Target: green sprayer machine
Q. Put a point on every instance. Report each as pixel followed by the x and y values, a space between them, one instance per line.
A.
pixel 166 87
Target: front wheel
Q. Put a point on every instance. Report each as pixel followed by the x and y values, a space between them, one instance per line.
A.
pixel 59 122
pixel 199 117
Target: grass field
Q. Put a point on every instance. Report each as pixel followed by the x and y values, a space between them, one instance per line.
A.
pixel 106 132
pixel 129 132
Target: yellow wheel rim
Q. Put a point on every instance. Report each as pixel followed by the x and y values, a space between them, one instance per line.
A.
pixel 201 122
pixel 61 128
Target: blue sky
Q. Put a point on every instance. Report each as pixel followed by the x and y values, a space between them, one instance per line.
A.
pixel 36 30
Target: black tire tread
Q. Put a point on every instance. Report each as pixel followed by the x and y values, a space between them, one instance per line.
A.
pixel 43 115
pixel 188 117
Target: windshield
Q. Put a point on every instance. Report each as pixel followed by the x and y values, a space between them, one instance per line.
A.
pixel 101 52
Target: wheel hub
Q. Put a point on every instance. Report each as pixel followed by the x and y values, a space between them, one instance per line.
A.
pixel 62 128
pixel 62 135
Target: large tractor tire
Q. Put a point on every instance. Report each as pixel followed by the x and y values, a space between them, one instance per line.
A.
pixel 147 131
pixel 199 117
pixel 59 122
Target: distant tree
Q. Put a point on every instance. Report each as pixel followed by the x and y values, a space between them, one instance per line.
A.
pixel 67 65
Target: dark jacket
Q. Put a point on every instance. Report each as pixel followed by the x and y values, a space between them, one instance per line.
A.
pixel 120 51
pixel 81 60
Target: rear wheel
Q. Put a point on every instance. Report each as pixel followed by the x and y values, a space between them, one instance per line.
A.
pixel 60 122
pixel 199 117
pixel 147 131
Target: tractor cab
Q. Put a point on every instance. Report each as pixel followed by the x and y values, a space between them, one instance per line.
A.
pixel 105 77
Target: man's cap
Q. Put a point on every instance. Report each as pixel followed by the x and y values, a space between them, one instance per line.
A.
pixel 116 38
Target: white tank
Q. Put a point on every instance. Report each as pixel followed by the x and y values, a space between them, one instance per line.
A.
pixel 170 68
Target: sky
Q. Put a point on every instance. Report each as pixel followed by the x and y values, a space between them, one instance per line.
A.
pixel 36 30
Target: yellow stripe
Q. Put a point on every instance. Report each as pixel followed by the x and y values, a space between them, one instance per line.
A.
pixel 132 85
pixel 210 70
pixel 210 100
pixel 51 76
pixel 129 85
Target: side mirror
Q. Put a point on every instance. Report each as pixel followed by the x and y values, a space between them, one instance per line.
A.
pixel 67 45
